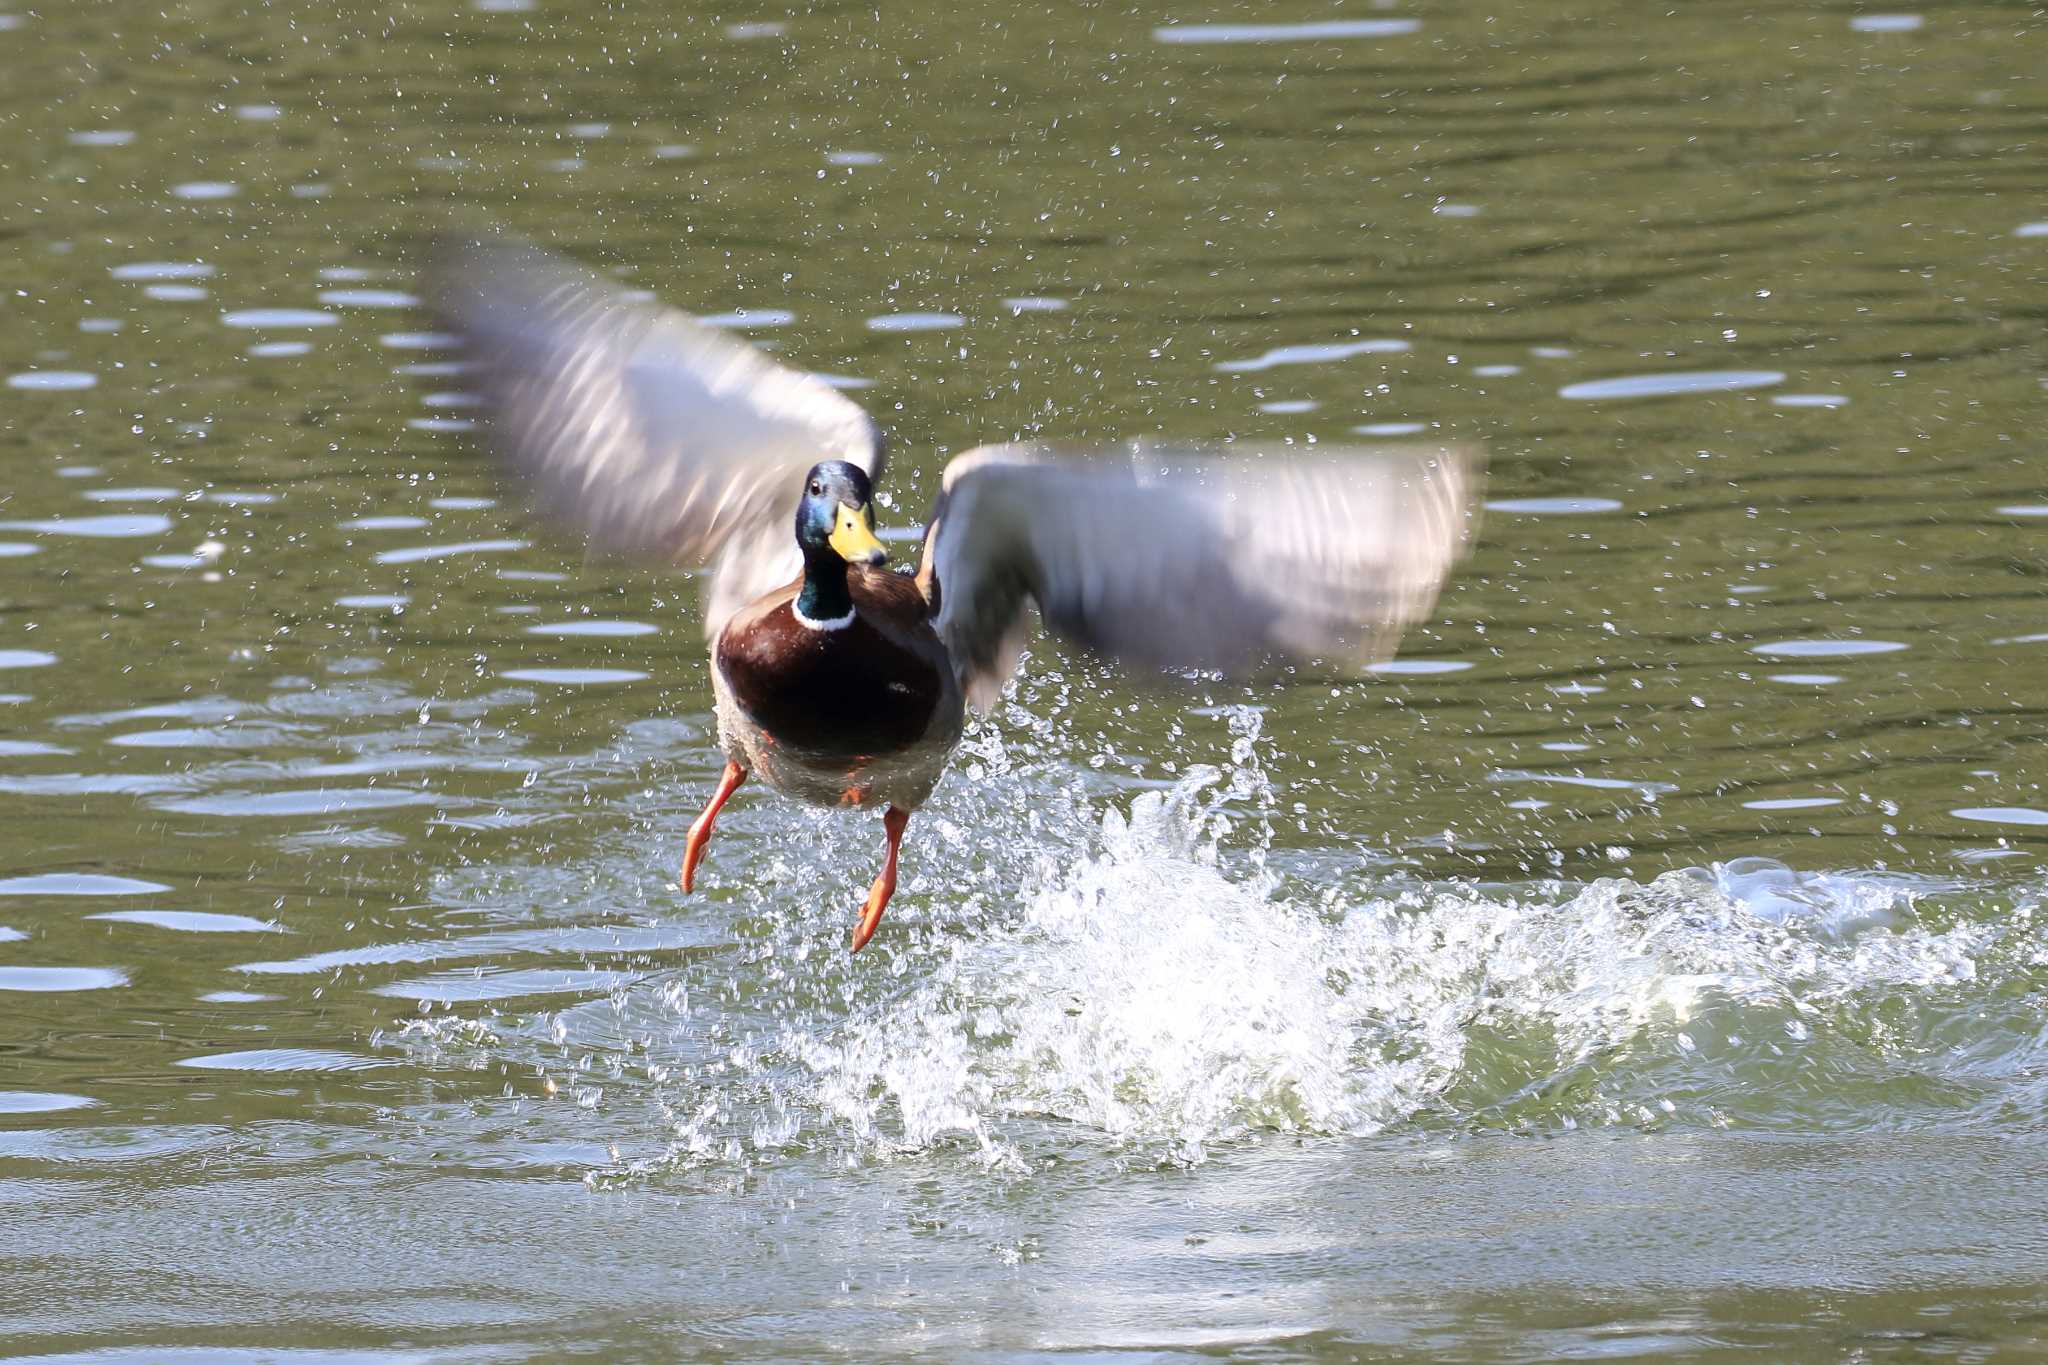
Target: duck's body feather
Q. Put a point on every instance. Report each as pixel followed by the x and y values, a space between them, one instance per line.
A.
pixel 839 716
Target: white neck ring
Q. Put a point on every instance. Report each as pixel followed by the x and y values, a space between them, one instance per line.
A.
pixel 834 623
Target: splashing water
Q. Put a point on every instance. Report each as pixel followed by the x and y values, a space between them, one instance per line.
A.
pixel 1142 993
pixel 1141 980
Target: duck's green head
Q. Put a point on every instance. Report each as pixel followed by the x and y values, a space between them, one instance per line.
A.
pixel 837 516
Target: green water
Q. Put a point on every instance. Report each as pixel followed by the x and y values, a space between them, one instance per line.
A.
pixel 1649 965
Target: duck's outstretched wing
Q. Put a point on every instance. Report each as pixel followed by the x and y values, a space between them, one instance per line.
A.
pixel 656 434
pixel 1190 558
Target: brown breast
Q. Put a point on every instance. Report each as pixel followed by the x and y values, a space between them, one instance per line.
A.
pixel 866 689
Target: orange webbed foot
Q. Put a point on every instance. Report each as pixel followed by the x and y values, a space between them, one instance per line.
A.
pixel 700 832
pixel 893 823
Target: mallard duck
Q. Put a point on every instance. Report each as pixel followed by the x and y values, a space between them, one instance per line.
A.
pixel 844 683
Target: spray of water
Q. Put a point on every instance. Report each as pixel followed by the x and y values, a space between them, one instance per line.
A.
pixel 1139 975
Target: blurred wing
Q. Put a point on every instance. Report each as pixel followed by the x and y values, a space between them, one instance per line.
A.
pixel 657 435
pixel 1195 559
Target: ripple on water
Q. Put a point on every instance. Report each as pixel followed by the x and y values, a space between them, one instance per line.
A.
pixel 481 984
pixel 1326 30
pixel 53 381
pixel 112 526
pixel 1671 383
pixel 1810 400
pixel 368 298
pixel 2002 815
pixel 283 1059
pixel 1792 803
pixel 1580 780
pixel 192 921
pixel 153 271
pixel 384 524
pixel 26 658
pixel 373 602
pixel 197 708
pixel 1885 23
pixel 420 341
pixel 915 322
pixel 206 190
pixel 574 677
pixel 420 554
pixel 1806 679
pixel 579 940
pixel 320 801
pixel 1321 353
pixel 29 748
pixel 1553 507
pixel 131 494
pixel 194 560
pixel 51 979
pixel 96 784
pixel 1418 667
pixel 595 628
pixel 750 317
pixel 40 1102
pixel 1825 649
pixel 262 318
pixel 18 549
pixel 78 884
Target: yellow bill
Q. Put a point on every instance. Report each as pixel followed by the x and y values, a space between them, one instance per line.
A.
pixel 853 538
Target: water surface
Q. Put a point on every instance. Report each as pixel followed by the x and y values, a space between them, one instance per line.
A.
pixel 1647 964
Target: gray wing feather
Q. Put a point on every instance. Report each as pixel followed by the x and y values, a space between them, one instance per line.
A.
pixel 1190 558
pixel 657 435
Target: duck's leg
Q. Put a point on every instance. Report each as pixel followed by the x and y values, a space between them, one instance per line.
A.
pixel 700 832
pixel 893 821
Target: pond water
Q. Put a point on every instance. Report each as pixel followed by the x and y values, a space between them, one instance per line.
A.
pixel 1648 964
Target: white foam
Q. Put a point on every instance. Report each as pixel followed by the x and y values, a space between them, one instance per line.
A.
pixel 1145 976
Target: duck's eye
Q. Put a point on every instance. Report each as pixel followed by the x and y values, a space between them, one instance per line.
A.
pixel 817 489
